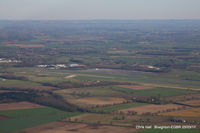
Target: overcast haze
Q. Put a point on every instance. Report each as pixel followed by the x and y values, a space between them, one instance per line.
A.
pixel 99 9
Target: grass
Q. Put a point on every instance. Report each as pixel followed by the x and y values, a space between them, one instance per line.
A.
pixel 25 118
pixel 162 92
pixel 9 82
pixel 47 79
pixel 108 109
pixel 153 92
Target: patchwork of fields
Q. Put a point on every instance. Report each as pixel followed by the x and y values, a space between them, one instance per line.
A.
pixel 108 104
pixel 99 76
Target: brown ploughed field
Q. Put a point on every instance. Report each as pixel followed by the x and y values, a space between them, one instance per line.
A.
pixel 18 105
pixel 67 127
pixel 152 108
pixel 26 46
pixel 97 100
pixel 3 117
pixel 191 103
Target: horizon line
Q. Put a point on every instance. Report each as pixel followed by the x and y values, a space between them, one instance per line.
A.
pixel 98 19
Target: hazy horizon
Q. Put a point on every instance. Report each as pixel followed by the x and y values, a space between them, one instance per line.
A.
pixel 99 9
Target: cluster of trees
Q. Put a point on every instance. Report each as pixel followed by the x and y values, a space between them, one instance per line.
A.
pixel 12 76
pixel 82 94
pixel 70 84
pixel 19 95
pixel 151 100
pixel 45 98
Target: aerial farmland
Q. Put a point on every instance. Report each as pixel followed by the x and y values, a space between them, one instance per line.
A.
pixel 99 76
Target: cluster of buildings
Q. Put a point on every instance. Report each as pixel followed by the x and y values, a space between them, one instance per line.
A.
pixel 58 66
pixel 3 60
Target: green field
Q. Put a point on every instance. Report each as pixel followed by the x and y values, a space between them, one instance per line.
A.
pixel 47 79
pixel 108 109
pixel 25 118
pixel 153 92
pixel 9 82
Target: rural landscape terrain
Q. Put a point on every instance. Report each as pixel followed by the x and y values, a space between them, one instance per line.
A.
pixel 139 76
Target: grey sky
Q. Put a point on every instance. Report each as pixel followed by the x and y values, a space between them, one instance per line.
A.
pixel 99 9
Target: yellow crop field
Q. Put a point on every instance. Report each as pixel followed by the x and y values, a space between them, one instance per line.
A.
pixel 193 112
